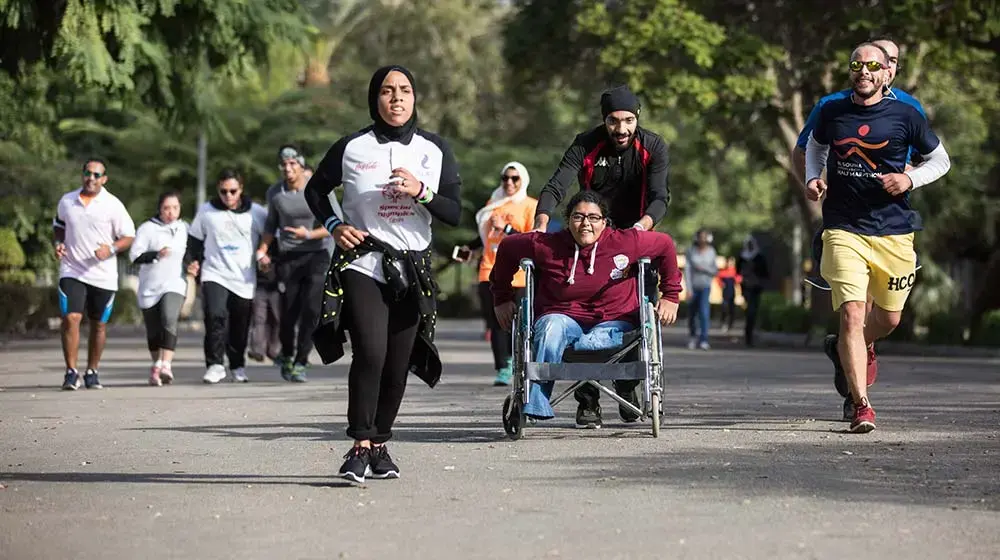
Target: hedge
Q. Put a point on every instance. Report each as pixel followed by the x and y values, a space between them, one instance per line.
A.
pixel 27 309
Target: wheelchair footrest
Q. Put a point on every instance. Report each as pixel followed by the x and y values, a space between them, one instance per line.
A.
pixel 543 371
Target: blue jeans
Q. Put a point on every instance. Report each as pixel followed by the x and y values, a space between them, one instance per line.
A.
pixel 699 309
pixel 553 333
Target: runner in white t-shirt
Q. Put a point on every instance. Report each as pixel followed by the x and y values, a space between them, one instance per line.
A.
pixel 221 245
pixel 91 226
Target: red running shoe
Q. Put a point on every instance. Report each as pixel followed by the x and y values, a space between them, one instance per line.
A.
pixel 864 419
pixel 872 365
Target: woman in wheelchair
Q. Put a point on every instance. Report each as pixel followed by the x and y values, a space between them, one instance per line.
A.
pixel 585 286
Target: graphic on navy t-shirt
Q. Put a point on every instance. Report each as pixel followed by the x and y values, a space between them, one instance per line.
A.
pixel 865 143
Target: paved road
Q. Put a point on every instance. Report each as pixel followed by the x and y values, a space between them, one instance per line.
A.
pixel 751 464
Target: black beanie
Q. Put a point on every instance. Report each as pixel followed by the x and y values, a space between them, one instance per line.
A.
pixel 619 99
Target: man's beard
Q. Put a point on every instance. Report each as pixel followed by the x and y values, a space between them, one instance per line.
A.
pixel 628 141
pixel 876 87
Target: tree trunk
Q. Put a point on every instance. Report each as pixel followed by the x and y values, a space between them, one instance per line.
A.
pixel 317 73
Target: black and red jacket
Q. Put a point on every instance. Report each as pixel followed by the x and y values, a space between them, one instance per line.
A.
pixel 634 180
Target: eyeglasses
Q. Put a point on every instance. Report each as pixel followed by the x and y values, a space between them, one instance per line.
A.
pixel 505 178
pixel 93 174
pixel 577 218
pixel 228 191
pixel 871 65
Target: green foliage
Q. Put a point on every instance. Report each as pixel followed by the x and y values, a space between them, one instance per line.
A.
pixel 17 277
pixel 777 314
pixel 27 308
pixel 727 83
pixel 988 333
pixel 12 260
pixel 450 46
pixel 933 293
pixel 945 328
pixel 173 56
pixel 126 310
pixel 11 254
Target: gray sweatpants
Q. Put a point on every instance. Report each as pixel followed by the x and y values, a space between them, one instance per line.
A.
pixel 161 322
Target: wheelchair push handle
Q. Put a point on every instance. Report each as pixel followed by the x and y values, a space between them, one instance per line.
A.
pixel 527 264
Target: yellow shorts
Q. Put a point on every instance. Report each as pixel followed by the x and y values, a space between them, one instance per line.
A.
pixel 856 265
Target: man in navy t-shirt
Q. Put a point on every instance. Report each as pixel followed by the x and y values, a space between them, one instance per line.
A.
pixel 799 161
pixel 863 141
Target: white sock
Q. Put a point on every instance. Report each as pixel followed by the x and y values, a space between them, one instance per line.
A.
pixel 159 363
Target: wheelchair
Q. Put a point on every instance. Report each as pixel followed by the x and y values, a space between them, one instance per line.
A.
pixel 639 357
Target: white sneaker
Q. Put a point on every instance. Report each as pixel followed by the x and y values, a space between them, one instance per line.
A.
pixel 692 344
pixel 240 375
pixel 704 346
pixel 214 373
pixel 166 374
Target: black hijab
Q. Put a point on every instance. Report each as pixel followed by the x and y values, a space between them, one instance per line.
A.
pixel 385 132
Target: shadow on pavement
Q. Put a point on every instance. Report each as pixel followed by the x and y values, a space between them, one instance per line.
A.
pixel 957 473
pixel 176 478
pixel 423 432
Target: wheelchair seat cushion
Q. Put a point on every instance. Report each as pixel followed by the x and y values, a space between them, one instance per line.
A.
pixel 572 355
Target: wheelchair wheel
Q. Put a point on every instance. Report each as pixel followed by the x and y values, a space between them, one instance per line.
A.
pixel 513 418
pixel 656 415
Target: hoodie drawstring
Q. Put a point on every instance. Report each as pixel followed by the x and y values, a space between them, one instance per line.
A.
pixel 572 271
pixel 576 259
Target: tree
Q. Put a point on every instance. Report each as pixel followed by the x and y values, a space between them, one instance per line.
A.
pixel 333 20
pixel 740 66
pixel 453 51
pixel 170 54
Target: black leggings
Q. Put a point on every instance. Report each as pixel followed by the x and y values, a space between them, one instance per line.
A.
pixel 383 332
pixel 227 325
pixel 303 275
pixel 161 322
pixel 499 339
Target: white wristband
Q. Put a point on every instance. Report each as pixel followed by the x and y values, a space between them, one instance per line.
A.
pixel 260 256
pixel 639 226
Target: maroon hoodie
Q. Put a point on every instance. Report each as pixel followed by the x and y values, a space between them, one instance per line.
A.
pixel 589 284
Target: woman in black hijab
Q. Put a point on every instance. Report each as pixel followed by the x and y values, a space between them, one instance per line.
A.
pixel 396 179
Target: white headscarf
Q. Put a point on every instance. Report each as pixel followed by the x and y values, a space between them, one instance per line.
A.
pixel 750 248
pixel 499 198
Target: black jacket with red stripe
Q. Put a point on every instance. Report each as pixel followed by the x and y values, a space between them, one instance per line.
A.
pixel 634 180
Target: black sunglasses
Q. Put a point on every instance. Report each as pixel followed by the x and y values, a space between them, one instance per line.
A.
pixel 228 191
pixel 94 174
pixel 505 178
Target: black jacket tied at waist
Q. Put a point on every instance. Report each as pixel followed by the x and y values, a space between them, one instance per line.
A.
pixel 329 335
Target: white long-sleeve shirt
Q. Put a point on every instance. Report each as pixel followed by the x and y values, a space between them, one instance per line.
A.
pixel 163 274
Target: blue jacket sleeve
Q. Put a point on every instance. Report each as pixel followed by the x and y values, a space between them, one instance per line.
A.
pixel 810 125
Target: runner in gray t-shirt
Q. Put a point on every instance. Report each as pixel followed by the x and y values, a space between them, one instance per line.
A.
pixel 302 262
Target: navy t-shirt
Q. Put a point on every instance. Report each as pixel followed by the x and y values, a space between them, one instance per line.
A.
pixel 865 142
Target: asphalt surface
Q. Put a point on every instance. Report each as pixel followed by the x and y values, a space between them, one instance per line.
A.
pixel 751 463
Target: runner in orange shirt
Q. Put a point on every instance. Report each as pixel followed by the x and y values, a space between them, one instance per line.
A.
pixel 509 211
pixel 728 279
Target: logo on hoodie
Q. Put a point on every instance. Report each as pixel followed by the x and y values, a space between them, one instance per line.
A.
pixel 621 267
